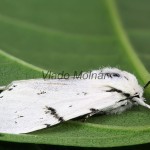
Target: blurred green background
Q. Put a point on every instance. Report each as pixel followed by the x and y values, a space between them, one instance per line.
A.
pixel 74 35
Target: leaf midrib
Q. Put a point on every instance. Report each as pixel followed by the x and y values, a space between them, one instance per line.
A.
pixel 26 64
pixel 128 48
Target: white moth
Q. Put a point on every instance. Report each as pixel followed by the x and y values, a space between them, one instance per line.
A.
pixel 30 105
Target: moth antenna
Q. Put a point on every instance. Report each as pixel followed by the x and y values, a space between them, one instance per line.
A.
pixel 147 84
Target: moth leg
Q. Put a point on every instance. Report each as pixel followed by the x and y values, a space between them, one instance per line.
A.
pixel 93 112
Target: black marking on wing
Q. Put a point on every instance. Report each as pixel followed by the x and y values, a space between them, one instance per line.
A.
pixel 43 92
pixel 112 75
pixel 126 77
pixel 129 98
pixel 123 105
pixel 20 116
pixel 10 89
pixel 108 75
pixel 122 100
pixel 115 75
pixel 84 93
pixel 127 95
pixel 61 119
pixel 93 110
pixel 114 90
pixel 119 91
pixel 47 125
pixel 70 106
pixel 1 97
pixel 53 112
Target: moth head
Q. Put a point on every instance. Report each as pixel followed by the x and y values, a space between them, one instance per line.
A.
pixel 125 83
pixel 139 99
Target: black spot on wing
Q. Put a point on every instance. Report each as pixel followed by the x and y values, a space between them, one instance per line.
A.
pixel 85 93
pixel 1 96
pixel 47 125
pixel 21 116
pixel 115 75
pixel 43 92
pixel 93 109
pixel 10 89
pixel 61 119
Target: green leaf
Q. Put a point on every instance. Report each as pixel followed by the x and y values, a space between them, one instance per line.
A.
pixel 136 22
pixel 75 35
